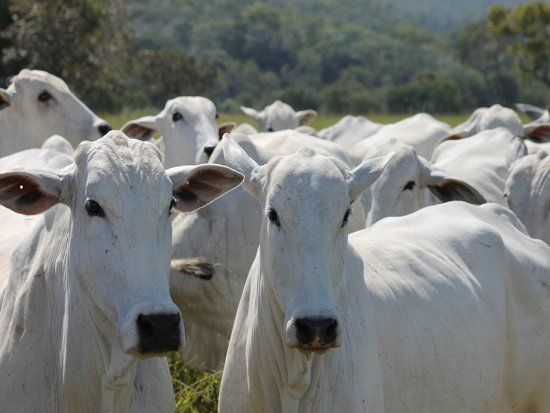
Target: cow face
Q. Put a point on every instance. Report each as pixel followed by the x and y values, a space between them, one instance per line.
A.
pixel 528 193
pixel 410 183
pixel 279 116
pixel 41 105
pixel 121 200
pixel 188 128
pixel 306 201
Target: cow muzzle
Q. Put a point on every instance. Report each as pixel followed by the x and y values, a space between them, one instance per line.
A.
pixel 158 333
pixel 315 334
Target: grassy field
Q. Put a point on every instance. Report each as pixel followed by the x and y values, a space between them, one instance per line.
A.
pixel 320 122
pixel 197 392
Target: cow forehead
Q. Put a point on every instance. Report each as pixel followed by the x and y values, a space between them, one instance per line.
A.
pixel 116 163
pixel 191 104
pixel 305 179
pixel 40 77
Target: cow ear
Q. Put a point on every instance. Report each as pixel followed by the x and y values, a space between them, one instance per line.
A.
pixel 31 192
pixel 195 186
pixel 365 174
pixel 224 128
pixel 538 133
pixel 5 98
pixel 515 150
pixel 446 188
pixel 304 116
pixel 142 128
pixel 533 112
pixel 252 113
pixel 237 158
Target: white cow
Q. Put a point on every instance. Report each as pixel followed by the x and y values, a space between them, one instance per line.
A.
pixel 213 248
pixel 528 193
pixel 188 128
pixel 84 296
pixel 421 131
pixel 37 105
pixel 409 182
pixel 498 116
pixel 55 154
pixel 350 130
pixel 482 160
pixel 279 116
pixel 444 310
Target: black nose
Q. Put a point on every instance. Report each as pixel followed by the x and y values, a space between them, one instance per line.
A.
pixel 104 128
pixel 158 333
pixel 209 149
pixel 316 332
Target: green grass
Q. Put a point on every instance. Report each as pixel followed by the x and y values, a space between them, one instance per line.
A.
pixel 320 122
pixel 197 392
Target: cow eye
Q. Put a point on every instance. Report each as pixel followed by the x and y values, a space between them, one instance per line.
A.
pixel 94 209
pixel 408 186
pixel 217 116
pixel 45 96
pixel 273 217
pixel 173 205
pixel 270 129
pixel 177 116
pixel 346 217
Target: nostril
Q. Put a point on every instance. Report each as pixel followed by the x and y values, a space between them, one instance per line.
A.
pixel 145 326
pixel 316 330
pixel 330 332
pixel 104 128
pixel 209 149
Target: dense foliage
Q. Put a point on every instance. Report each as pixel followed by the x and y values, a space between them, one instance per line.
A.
pixel 351 56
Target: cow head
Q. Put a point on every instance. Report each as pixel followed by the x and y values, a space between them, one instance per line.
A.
pixel 279 116
pixel 409 183
pixel 306 202
pixel 188 128
pixel 120 199
pixel 528 193
pixel 41 104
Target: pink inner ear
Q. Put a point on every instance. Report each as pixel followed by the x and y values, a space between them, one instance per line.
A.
pixel 24 196
pixel 541 132
pixel 136 131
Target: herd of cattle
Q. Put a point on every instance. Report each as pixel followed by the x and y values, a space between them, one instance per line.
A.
pixel 124 249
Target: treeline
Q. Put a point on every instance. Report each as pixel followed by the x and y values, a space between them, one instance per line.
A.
pixel 356 58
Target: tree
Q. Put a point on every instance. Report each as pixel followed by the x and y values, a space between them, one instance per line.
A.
pixel 81 41
pixel 526 31
pixel 157 76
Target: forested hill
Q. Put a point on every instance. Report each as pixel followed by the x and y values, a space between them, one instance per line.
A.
pixel 158 20
pixel 339 56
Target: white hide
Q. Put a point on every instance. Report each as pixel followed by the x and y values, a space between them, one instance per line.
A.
pixel 55 154
pixel 409 183
pixel 528 193
pixel 497 116
pixel 187 125
pixel 213 248
pixel 37 105
pixel 482 160
pixel 350 130
pixel 443 310
pixel 245 129
pixel 74 285
pixel 279 116
pixel 493 117
pixel 420 131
